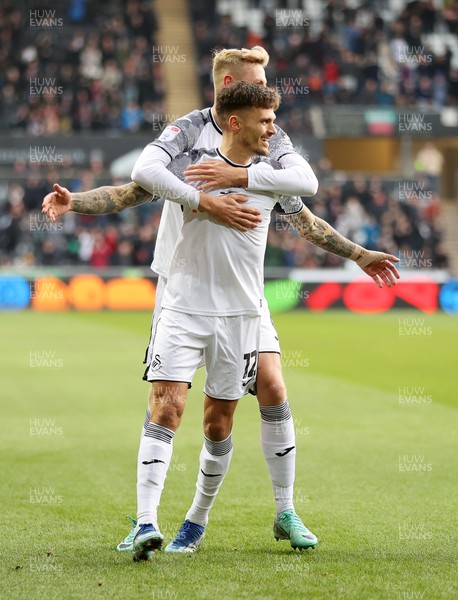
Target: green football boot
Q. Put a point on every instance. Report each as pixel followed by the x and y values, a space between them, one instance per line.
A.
pixel 127 544
pixel 288 526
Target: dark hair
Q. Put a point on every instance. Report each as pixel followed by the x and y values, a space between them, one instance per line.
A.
pixel 240 95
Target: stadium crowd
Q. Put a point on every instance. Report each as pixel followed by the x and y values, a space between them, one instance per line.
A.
pixel 356 58
pixel 396 217
pixel 101 71
pixel 103 76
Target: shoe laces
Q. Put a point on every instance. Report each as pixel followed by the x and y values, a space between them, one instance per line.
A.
pixel 132 520
pixel 130 536
pixel 292 518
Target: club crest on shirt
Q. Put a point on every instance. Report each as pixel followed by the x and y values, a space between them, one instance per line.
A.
pixel 169 133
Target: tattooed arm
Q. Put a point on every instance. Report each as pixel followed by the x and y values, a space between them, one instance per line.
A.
pixel 320 233
pixel 101 201
pixel 376 264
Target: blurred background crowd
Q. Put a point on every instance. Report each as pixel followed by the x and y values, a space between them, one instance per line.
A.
pixel 106 76
pixel 365 54
pixel 110 68
pixel 101 69
pixel 381 215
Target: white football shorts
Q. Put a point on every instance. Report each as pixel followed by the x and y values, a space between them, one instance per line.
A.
pixel 161 282
pixel 228 346
pixel 268 339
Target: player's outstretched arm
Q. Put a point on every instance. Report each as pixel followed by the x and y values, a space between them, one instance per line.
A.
pixel 100 201
pixel 377 265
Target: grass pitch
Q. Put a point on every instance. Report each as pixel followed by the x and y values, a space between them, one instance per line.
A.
pixel 375 413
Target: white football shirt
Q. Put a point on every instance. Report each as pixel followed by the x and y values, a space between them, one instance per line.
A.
pixel 197 130
pixel 216 270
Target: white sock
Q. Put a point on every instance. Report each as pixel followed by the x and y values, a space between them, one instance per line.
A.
pixel 214 461
pixel 144 426
pixel 146 421
pixel 278 442
pixel 156 447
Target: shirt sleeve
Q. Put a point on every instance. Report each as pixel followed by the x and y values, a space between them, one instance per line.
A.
pixel 295 177
pixel 156 173
pixel 289 205
pixel 280 145
pixel 181 135
pixel 150 171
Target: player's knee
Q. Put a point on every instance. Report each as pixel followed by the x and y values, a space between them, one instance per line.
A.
pixel 167 406
pixel 167 415
pixel 217 429
pixel 271 390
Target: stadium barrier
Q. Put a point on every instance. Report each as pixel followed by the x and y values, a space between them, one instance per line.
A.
pixel 316 290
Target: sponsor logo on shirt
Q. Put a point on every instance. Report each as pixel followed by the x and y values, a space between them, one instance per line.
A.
pixel 169 133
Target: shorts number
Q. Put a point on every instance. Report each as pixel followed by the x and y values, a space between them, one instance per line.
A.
pixel 251 362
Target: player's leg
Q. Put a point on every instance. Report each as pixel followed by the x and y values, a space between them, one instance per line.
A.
pixel 214 460
pixel 231 360
pixel 167 402
pixel 176 357
pixel 127 543
pixel 149 354
pixel 278 440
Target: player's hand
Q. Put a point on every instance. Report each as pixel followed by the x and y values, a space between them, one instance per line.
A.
pixel 229 210
pixel 216 175
pixel 57 202
pixel 380 268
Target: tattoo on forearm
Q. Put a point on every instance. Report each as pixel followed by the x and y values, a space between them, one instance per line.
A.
pixel 320 233
pixel 109 199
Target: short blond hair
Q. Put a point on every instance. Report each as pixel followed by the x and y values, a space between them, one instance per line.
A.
pixel 233 59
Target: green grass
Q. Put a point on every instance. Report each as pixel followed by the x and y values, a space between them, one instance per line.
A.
pixel 384 534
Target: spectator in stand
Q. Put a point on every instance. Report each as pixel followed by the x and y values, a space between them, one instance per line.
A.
pixel 131 117
pixel 450 15
pixel 124 255
pixel 429 161
pixel 101 252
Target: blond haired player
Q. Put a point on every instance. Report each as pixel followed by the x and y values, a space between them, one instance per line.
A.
pixel 211 309
pixel 200 129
